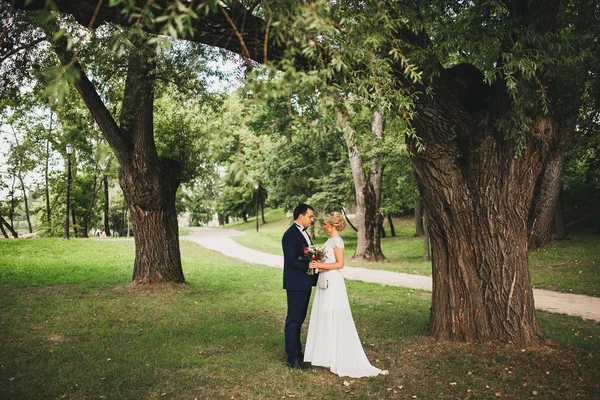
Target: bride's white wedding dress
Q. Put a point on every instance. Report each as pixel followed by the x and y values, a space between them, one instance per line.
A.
pixel 332 339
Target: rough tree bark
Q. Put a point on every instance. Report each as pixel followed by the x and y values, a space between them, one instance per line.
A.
pixel 545 207
pixel 477 191
pixel 148 182
pixel 368 190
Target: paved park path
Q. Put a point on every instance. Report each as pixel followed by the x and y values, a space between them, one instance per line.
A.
pixel 220 240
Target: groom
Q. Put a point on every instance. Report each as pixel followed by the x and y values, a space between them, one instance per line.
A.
pixel 296 282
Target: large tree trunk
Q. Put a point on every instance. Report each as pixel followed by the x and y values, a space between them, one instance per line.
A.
pixel 149 183
pixel 367 189
pixel 106 225
pixel 477 190
pixel 545 207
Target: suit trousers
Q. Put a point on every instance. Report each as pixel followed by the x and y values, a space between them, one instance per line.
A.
pixel 297 301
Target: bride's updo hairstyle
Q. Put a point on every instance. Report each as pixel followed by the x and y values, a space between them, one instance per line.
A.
pixel 336 220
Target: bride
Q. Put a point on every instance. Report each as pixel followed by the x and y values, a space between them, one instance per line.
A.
pixel 332 339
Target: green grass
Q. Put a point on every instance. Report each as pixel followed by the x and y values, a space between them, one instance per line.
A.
pixel 568 266
pixel 71 326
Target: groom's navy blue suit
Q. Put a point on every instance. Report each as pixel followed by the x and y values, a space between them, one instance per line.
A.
pixel 298 286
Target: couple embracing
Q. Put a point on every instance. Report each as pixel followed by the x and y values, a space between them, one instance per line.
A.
pixel 332 339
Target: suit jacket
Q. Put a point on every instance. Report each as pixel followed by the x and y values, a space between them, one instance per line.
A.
pixel 294 270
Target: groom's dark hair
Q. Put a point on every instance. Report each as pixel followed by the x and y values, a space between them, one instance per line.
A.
pixel 301 209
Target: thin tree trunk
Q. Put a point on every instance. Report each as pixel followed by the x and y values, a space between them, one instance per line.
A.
pixel 74 222
pixel 545 207
pixel 477 190
pixel 26 204
pixel 47 178
pixel 9 227
pixel 426 248
pixel 381 228
pixel 149 183
pixel 11 211
pixel 420 231
pixel 3 231
pixel 391 223
pixel 559 217
pixel 221 219
pixel 348 220
pixel 367 189
pixel 88 212
pixel 262 211
pixel 106 224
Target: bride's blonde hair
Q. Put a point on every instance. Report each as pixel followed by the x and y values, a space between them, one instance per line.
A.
pixel 336 220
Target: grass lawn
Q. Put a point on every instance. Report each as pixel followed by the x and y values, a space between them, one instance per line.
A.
pixel 71 326
pixel 568 266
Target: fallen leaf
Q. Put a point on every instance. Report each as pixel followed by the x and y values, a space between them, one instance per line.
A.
pixel 377 360
pixel 498 394
pixel 346 383
pixel 11 379
pixel 452 383
pixel 535 393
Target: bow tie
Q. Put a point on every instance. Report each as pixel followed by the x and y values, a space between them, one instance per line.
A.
pixel 301 227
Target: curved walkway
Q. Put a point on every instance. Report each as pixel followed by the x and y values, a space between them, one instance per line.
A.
pixel 220 240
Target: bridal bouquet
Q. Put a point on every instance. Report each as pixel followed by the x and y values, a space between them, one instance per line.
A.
pixel 312 253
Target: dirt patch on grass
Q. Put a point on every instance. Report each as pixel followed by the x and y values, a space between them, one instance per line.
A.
pixel 55 338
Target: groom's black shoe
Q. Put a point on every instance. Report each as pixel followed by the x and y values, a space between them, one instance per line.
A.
pixel 299 365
